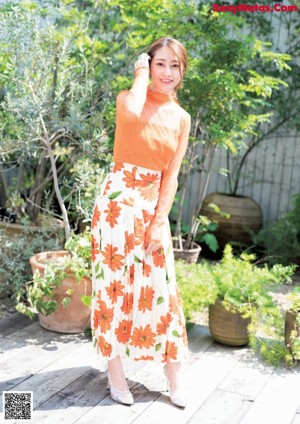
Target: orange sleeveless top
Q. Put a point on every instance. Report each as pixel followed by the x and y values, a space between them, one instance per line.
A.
pixel 152 131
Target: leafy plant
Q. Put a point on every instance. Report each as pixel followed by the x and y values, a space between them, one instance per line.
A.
pixel 224 79
pixel 281 241
pixel 196 285
pixel 39 295
pixel 243 287
pixel 49 101
pixel 15 253
pixel 294 346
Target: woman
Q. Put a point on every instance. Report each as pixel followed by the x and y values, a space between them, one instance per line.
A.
pixel 136 309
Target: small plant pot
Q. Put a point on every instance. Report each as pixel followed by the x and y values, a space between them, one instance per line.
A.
pixel 75 317
pixel 290 325
pixel 188 255
pixel 227 327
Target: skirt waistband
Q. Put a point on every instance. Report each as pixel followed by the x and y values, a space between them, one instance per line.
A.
pixel 117 165
pixel 132 185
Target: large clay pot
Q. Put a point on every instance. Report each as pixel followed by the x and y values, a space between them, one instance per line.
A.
pixel 245 216
pixel 190 255
pixel 75 317
pixel 227 327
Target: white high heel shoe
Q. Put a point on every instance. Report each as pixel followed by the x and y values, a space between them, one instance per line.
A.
pixel 121 396
pixel 177 397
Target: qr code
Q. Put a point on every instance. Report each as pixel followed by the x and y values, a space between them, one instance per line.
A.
pixel 17 405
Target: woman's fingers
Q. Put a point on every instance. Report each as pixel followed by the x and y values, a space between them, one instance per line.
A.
pixel 151 247
pixel 143 61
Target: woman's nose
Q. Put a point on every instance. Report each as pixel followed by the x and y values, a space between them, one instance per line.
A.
pixel 167 70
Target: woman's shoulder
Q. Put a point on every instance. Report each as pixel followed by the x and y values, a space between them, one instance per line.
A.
pixel 184 115
pixel 121 94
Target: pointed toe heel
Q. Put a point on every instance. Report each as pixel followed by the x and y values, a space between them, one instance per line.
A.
pixel 121 396
pixel 177 397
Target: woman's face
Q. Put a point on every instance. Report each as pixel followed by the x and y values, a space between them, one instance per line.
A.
pixel 164 70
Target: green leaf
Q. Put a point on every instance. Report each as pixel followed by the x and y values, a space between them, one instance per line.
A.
pixel 160 300
pixel 114 194
pixel 157 347
pixel 211 241
pixel 175 333
pixel 136 259
pixel 127 351
pixel 87 300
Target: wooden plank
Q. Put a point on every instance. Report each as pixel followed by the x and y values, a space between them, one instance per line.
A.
pixel 296 419
pixel 75 400
pixel 248 377
pixel 14 322
pixel 33 335
pixel 278 400
pixel 222 407
pixel 199 340
pixel 9 348
pixel 202 377
pixel 62 369
pixel 35 357
pixel 110 412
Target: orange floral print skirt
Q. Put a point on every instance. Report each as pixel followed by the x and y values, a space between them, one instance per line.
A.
pixel 136 306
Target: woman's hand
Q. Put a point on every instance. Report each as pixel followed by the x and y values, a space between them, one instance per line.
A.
pixel 151 247
pixel 153 240
pixel 142 62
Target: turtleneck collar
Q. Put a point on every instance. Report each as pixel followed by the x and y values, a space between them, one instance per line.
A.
pixel 159 97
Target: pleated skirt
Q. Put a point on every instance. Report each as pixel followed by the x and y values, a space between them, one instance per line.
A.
pixel 136 305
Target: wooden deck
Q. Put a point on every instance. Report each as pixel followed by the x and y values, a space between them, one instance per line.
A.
pixel 226 385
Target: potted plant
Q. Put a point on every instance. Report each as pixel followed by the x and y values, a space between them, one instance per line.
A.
pixel 204 237
pixel 48 99
pixel 292 326
pixel 61 287
pixel 242 299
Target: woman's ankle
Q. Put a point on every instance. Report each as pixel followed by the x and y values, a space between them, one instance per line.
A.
pixel 174 373
pixel 117 375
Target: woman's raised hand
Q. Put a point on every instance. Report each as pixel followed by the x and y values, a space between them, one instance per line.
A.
pixel 142 62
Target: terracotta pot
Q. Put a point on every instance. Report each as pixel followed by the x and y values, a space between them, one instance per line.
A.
pixel 188 255
pixel 245 216
pixel 227 327
pixel 75 317
pixel 290 325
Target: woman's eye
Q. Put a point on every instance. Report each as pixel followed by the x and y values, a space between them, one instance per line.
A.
pixel 176 66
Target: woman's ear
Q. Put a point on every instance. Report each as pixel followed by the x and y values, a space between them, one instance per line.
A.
pixel 150 67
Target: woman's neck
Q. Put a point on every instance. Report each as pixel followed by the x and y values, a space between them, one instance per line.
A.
pixel 159 96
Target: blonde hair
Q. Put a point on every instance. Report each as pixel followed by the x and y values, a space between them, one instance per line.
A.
pixel 178 49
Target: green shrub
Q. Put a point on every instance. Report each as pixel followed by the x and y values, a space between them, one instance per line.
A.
pixel 15 269
pixel 281 241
